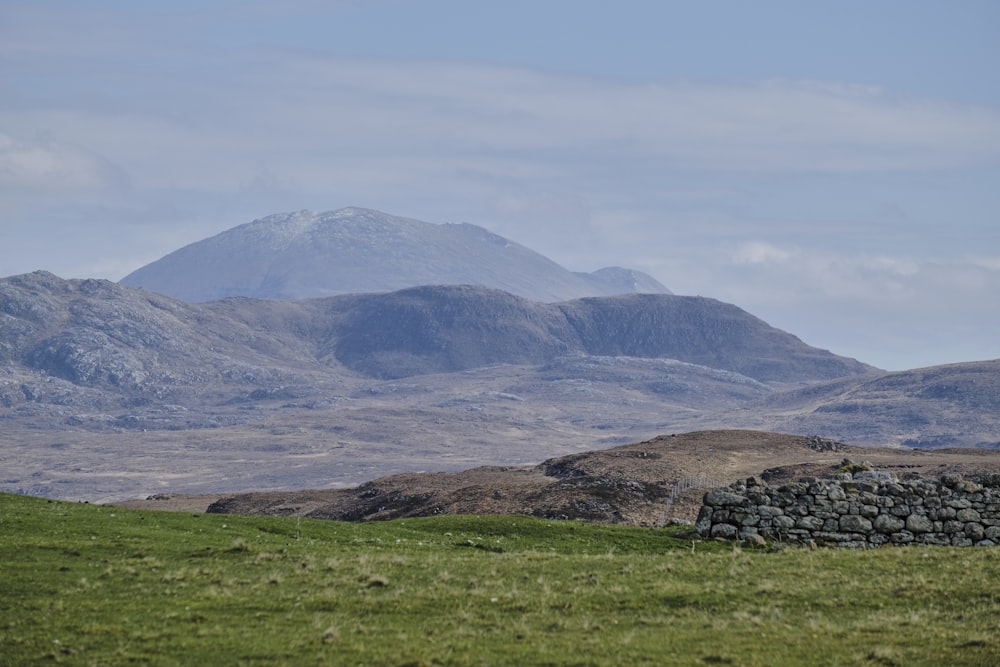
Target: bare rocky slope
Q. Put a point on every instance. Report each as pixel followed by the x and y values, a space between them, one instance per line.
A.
pixel 306 255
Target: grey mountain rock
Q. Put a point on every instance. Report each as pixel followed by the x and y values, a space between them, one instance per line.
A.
pixel 306 255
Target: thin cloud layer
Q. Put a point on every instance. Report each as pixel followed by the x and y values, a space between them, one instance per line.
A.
pixel 50 167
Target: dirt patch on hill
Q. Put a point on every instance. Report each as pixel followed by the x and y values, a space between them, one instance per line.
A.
pixel 647 483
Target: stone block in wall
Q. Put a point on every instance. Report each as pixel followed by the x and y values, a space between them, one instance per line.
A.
pixel 868 487
pixel 725 499
pixel 967 515
pixel 877 539
pixel 809 523
pixel 855 523
pixel 886 523
pixel 919 523
pixel 974 531
pixel 703 525
pixel 723 530
pixel 769 511
pixel 952 527
pixel 902 537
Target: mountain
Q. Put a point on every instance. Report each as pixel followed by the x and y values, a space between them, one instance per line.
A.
pixel 439 329
pixel 132 342
pixel 305 255
pixel 954 405
pixel 108 391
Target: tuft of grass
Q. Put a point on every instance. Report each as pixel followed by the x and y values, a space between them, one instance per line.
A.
pixel 80 587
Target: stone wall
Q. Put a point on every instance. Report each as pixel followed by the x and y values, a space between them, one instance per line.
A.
pixel 866 509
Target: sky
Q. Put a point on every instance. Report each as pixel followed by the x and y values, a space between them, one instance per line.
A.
pixel 831 167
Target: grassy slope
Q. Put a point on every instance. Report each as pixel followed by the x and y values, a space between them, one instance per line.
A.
pixel 85 585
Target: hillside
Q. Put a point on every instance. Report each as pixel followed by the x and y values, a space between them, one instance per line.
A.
pixel 955 405
pixel 646 483
pixel 306 255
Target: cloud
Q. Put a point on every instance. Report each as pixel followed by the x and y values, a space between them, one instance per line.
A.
pixel 759 252
pixel 312 118
pixel 893 311
pixel 49 165
pixel 987 263
pixel 461 108
pixel 867 277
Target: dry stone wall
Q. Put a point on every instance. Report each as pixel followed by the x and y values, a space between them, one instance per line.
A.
pixel 866 509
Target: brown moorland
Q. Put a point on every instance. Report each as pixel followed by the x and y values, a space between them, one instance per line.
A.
pixel 645 483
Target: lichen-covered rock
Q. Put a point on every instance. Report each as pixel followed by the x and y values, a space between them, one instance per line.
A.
pixel 725 499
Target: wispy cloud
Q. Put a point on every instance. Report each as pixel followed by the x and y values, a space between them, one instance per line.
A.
pixel 51 166
pixel 305 114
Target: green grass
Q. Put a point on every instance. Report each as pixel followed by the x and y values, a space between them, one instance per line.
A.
pixel 90 585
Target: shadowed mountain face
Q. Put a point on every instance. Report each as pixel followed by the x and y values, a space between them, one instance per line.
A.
pixel 452 328
pixel 306 255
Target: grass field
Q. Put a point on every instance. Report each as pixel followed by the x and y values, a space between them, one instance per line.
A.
pixel 90 585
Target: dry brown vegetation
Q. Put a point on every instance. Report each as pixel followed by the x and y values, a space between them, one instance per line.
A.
pixel 641 484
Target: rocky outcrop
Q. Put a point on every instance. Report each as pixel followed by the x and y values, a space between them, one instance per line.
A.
pixel 863 509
